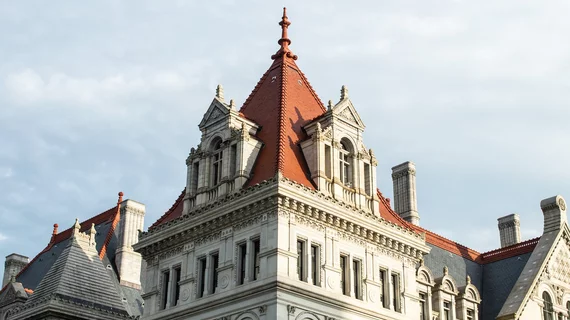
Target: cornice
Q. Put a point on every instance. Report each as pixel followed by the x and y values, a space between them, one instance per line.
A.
pixel 350 223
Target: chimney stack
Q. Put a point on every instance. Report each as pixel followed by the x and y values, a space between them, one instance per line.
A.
pixel 13 265
pixel 509 230
pixel 554 211
pixel 127 260
pixel 405 202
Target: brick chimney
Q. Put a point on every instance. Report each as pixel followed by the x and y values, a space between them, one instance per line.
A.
pixel 405 202
pixel 509 230
pixel 127 260
pixel 554 211
pixel 13 265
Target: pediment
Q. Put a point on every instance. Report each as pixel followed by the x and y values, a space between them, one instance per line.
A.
pixel 215 112
pixel 13 290
pixel 346 111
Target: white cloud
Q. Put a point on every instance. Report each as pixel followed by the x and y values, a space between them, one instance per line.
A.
pixel 3 237
pixel 28 86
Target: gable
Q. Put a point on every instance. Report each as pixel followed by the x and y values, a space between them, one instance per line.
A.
pixel 216 111
pixel 345 110
pixel 539 268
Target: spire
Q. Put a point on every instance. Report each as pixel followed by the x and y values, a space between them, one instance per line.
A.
pixel 220 92
pixel 284 42
pixel 343 92
pixel 53 234
pixel 76 227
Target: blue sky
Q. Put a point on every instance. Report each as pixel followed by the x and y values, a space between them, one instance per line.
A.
pixel 106 96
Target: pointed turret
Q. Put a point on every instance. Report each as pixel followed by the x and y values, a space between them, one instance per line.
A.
pixel 282 102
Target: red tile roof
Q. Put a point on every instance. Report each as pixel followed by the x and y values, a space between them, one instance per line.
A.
pixel 435 239
pixel 510 251
pixel 174 212
pixel 282 103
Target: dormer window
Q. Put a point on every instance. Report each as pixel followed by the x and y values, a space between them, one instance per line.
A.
pixel 217 160
pixel 345 159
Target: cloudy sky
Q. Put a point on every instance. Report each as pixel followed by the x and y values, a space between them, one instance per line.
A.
pixel 106 96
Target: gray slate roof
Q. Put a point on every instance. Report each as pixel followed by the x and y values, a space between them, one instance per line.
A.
pixel 37 269
pixel 78 275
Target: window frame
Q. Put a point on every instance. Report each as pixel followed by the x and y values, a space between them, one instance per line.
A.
pixel 346 163
pixel 165 274
pixel 301 259
pixel 202 267
pixel 547 306
pixel 315 264
pixel 241 272
pixel 255 262
pixel 177 276
pixel 396 291
pixel 217 164
pixel 344 273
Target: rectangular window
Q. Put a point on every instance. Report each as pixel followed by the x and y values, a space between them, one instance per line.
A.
pixel 470 314
pixel 201 276
pixel 357 278
pixel 423 310
pixel 233 160
pixel 165 287
pixel 195 174
pixel 328 173
pixel 242 253
pixel 256 260
pixel 301 260
pixel 367 179
pixel 177 273
pixel 383 288
pixel 396 291
pixel 214 261
pixel 344 275
pixel 446 310
pixel 217 168
pixel 315 261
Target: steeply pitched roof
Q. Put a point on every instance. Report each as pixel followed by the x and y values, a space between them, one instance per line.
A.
pixel 34 271
pixel 174 212
pixel 79 276
pixel 282 102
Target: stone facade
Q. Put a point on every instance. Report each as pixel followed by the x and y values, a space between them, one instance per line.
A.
pixel 280 218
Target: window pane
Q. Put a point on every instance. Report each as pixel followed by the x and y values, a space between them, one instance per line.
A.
pixel 255 259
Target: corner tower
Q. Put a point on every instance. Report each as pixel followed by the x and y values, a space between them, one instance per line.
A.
pixel 293 234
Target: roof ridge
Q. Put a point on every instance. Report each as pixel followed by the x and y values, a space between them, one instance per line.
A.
pixel 510 251
pixel 256 88
pixel 60 238
pixel 114 224
pixel 470 253
pixel 280 165
pixel 311 90
pixel 169 211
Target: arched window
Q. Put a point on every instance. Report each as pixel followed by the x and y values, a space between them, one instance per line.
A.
pixel 345 159
pixel 217 161
pixel 547 309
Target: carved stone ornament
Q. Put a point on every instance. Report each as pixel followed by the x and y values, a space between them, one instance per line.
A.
pixel 185 295
pixel 224 281
pixel 331 281
pixel 291 309
pixel 562 204
pixel 372 295
pixel 262 309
